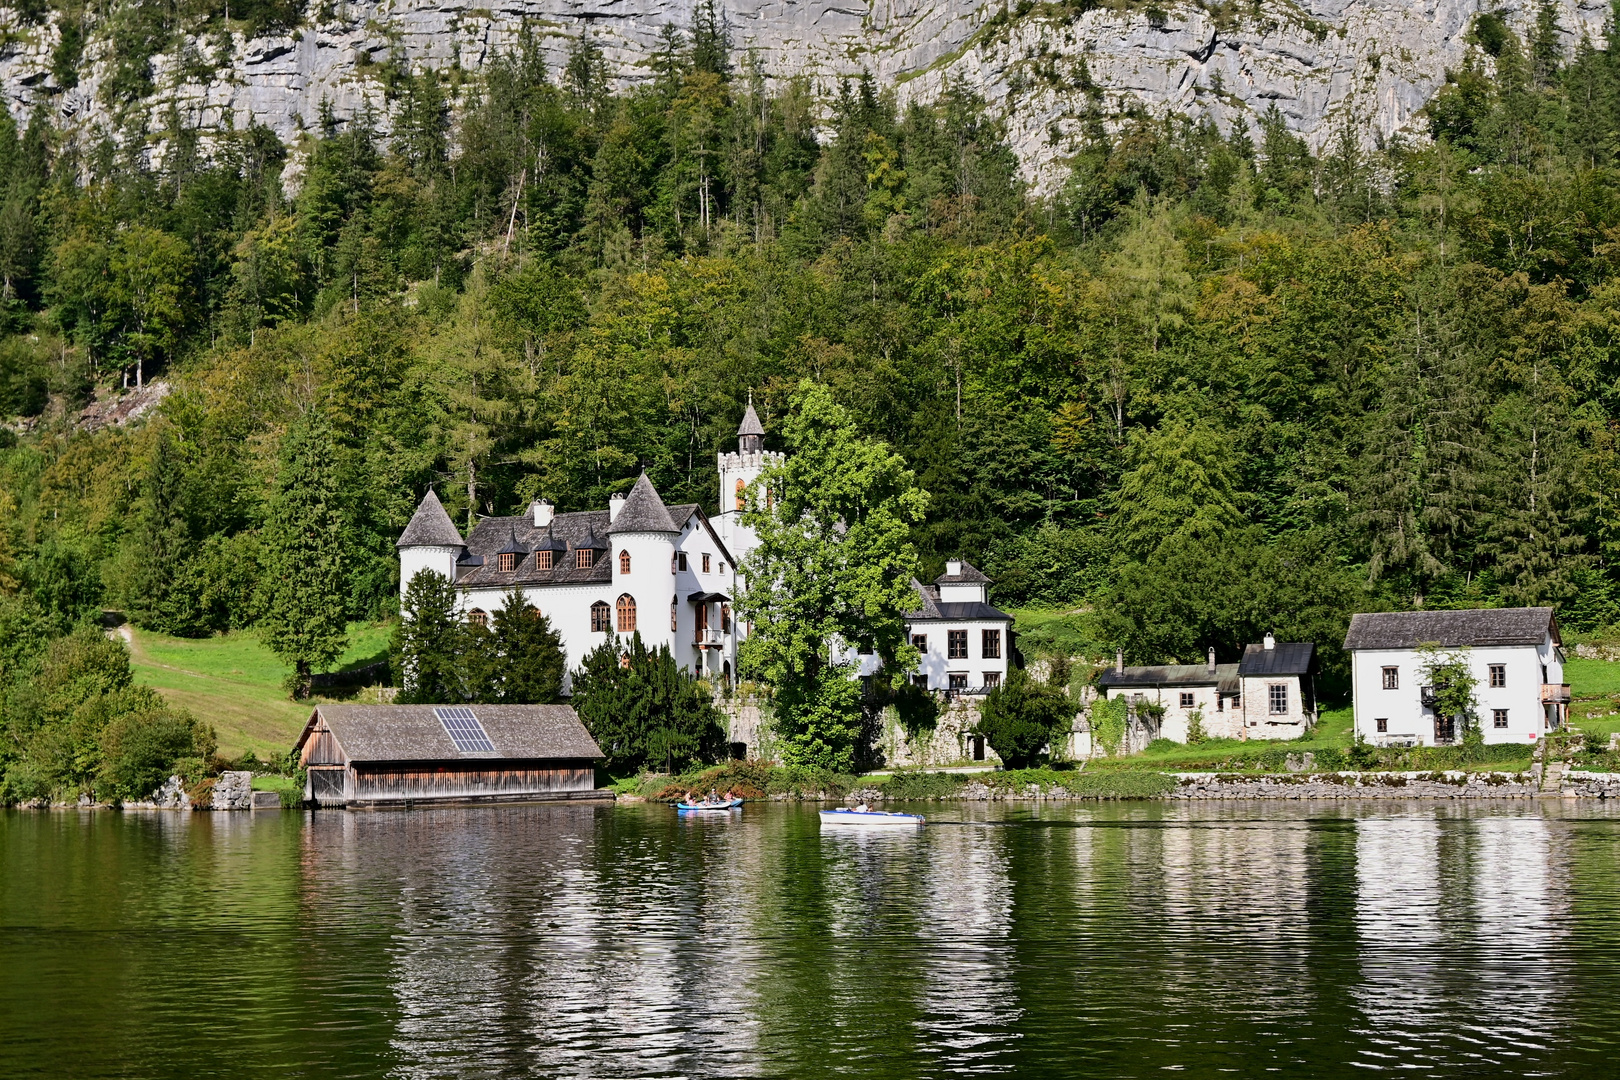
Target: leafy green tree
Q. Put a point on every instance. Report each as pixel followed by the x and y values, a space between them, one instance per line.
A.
pixel 428 643
pixel 833 565
pixel 1451 679
pixel 304 621
pixel 1183 485
pixel 1020 717
pixel 643 711
pixel 142 749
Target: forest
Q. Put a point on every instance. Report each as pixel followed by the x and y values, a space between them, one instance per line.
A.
pixel 1216 385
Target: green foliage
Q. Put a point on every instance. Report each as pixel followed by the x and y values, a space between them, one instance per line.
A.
pixel 528 656
pixel 304 620
pixel 428 643
pixel 1020 717
pixel 1195 727
pixel 1451 680
pixel 833 565
pixel 1109 717
pixel 141 749
pixel 642 709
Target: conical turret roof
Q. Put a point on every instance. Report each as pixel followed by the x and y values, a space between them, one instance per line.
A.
pixel 750 422
pixel 643 511
pixel 430 526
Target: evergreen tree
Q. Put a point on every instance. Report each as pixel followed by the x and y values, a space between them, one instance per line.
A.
pixel 643 710
pixel 531 661
pixel 429 642
pixel 303 587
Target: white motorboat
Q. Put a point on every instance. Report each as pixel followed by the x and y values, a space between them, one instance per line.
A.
pixel 864 815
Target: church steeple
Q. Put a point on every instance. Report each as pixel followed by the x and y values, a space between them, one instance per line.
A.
pixel 750 433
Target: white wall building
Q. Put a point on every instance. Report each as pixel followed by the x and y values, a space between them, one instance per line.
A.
pixel 1515 656
pixel 638 565
pixel 965 644
pixel 1269 694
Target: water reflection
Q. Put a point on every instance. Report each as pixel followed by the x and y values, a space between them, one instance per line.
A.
pixel 624 941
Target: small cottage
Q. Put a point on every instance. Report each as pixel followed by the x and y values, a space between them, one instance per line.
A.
pixel 397 755
pixel 1269 694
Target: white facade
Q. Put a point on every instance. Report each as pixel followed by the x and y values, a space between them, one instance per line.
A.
pixel 677 575
pixel 1512 712
pixel 1513 654
pixel 965 645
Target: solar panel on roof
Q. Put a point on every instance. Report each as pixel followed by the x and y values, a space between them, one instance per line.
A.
pixel 462 725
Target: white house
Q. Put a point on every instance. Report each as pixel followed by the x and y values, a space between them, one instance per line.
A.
pixel 1514 654
pixel 965 644
pixel 1269 694
pixel 638 565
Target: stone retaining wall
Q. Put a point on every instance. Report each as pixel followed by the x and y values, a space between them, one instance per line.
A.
pixel 1402 785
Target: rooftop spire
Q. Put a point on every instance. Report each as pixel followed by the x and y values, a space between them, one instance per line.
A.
pixel 750 433
pixel 430 526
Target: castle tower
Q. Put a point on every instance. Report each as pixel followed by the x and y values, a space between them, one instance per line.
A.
pixel 737 471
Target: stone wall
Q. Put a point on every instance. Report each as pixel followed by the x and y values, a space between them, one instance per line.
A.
pixel 1403 785
pixel 948 744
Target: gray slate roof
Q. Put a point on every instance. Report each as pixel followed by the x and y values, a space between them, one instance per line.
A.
pixel 643 511
pixel 567 532
pixel 750 422
pixel 970 575
pixel 930 608
pixel 430 526
pixel 414 733
pixel 1284 658
pixel 1224 678
pixel 1451 629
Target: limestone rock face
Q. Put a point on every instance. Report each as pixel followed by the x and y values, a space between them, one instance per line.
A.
pixel 1324 63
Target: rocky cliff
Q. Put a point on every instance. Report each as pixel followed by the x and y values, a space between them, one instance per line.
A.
pixel 1324 63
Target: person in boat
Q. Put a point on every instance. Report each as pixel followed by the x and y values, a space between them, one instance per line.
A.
pixel 714 796
pixel 726 798
pixel 862 809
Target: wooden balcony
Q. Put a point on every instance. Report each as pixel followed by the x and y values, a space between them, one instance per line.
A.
pixel 1555 693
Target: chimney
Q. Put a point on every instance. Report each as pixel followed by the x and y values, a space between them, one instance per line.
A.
pixel 1212 659
pixel 615 504
pixel 953 567
pixel 542 513
pixel 1119 660
pixel 1271 642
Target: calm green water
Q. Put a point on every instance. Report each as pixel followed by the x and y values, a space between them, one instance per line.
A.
pixel 621 941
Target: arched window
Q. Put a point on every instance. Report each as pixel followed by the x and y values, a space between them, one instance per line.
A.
pixel 600 623
pixel 725 618
pixel 674 614
pixel 624 561
pixel 477 617
pixel 742 498
pixel 627 614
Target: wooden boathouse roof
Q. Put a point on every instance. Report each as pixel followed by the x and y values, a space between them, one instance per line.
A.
pixel 416 733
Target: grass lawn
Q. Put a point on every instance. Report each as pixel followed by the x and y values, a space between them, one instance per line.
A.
pixel 1595 686
pixel 1053 631
pixel 234 683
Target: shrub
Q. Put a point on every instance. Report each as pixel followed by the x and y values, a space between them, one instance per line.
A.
pixel 920 785
pixel 1019 717
pixel 140 750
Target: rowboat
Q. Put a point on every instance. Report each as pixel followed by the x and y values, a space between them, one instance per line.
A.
pixel 860 815
pixel 721 805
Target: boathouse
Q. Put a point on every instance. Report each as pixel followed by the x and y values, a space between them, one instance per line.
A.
pixel 396 755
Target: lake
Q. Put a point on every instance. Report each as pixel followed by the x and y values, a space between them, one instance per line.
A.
pixel 621 941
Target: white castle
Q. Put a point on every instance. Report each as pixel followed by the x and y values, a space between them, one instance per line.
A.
pixel 671 573
pixel 639 565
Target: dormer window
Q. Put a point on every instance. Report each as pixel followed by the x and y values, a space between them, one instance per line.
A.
pixel 583 558
pixel 542 560
pixel 624 562
pixel 506 562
